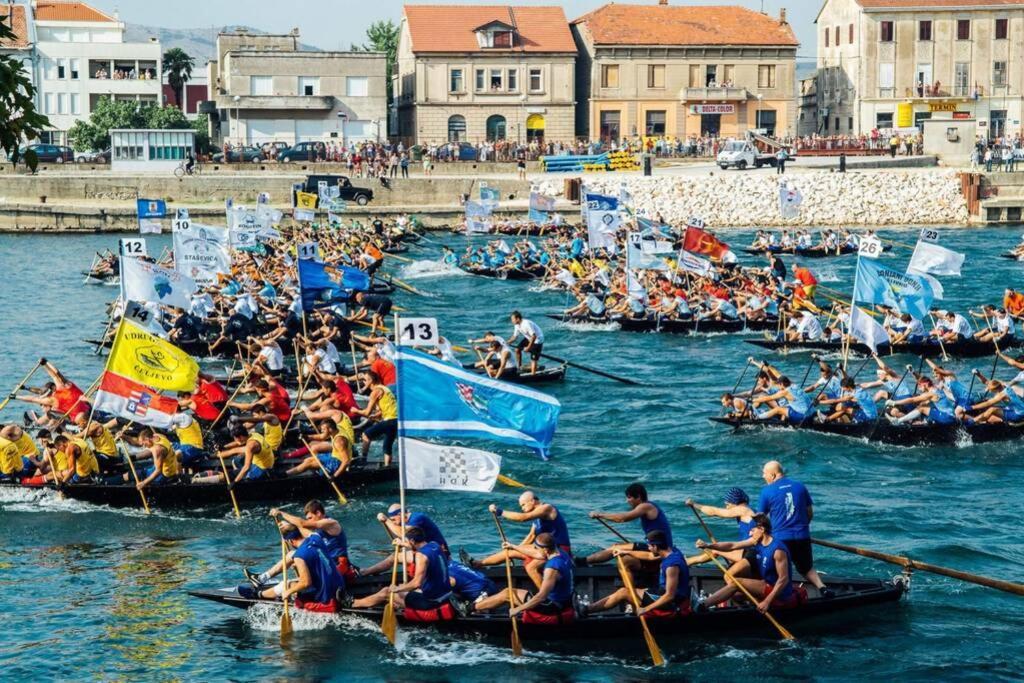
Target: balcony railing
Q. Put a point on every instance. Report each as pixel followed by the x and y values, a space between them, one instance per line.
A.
pixel 716 93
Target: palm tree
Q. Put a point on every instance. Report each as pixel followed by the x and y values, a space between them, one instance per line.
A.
pixel 178 67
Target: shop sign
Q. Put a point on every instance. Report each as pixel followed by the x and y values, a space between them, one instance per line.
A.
pixel 712 108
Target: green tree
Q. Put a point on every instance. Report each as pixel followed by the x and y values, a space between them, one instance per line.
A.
pixel 19 119
pixel 108 115
pixel 178 66
pixel 383 37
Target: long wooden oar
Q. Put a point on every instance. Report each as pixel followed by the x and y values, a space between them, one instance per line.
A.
pixel 517 645
pixel 406 287
pixel 739 584
pixel 704 525
pixel 397 257
pixel 230 485
pixel 652 645
pixel 906 562
pixel 615 531
pixel 135 476
pixel 594 371
pixel 21 384
pixel 342 500
pixel 389 624
pixel 286 615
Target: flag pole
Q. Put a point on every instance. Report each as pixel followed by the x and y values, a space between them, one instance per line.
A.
pixel 401 443
pixel 849 322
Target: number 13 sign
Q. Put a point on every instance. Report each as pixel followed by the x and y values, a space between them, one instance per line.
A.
pixel 417 332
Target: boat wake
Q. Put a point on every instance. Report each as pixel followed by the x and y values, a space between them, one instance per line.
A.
pixel 829 274
pixel 421 647
pixel 422 270
pixel 588 327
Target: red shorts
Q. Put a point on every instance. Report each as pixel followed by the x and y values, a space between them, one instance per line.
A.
pixel 796 597
pixel 346 569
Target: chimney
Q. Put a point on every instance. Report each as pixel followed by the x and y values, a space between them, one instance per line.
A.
pixel 782 15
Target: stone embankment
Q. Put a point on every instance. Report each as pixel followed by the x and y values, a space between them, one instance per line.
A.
pixel 737 199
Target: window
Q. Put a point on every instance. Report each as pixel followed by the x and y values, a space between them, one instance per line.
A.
pixel 883 119
pixel 75 67
pixel 455 83
pixel 924 30
pixel 495 80
pixel 501 39
pixel 694 76
pixel 1002 29
pixel 825 122
pixel 998 74
pixel 963 29
pixel 261 85
pixel 655 123
pixel 766 76
pixel 76 106
pixel 456 128
pixel 849 124
pixel 826 38
pixel 51 69
pixel 62 103
pixel 512 80
pixel 48 103
pixel 62 69
pixel 710 76
pixel 495 127
pixel 886 32
pixel 837 36
pixel 481 77
pixel 609 75
pixel 357 86
pixel 655 75
pixel 309 86
pixel 851 34
pixel 765 119
pixel 961 79
pixel 729 75
pixel 536 80
pixel 837 124
pixel 886 75
pixel 610 125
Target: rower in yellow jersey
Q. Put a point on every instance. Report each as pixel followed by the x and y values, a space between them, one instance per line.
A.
pixel 81 465
pixel 334 452
pixel 13 465
pixel 273 430
pixel 165 468
pixel 103 445
pixel 383 407
pixel 255 456
pixel 189 438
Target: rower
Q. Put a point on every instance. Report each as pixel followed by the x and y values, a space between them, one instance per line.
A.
pixel 469 586
pixel 953 328
pixel 417 519
pixel 266 423
pixel 428 588
pixel 775 586
pixel 334 455
pixel 672 596
pixel 188 441
pixel 500 361
pixel 992 412
pixel 13 465
pixel 555 594
pixel 931 403
pixel 963 400
pixel 788 503
pixel 318 581
pixel 543 518
pixel 382 408
pixel 1000 329
pixel 313 522
pixel 854 404
pixel 376 306
pixel 81 465
pixel 737 506
pixel 254 458
pixel 532 340
pixel 827 384
pixel 910 331
pixel 651 518
pixel 797 406
pixel 103 445
pixel 60 397
pixel 806 327
pixel 891 384
pixel 166 467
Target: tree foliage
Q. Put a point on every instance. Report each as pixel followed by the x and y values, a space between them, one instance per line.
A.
pixel 108 115
pixel 383 37
pixel 178 66
pixel 19 120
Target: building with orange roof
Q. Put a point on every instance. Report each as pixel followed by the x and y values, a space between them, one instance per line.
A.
pixel 681 71
pixel 893 64
pixel 469 73
pixel 81 57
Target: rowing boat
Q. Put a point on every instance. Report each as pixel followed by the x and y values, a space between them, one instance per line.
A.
pixel 1011 256
pixel 806 253
pixel 499 274
pixel 970 348
pixel 109 279
pixel 883 431
pixel 592 583
pixel 673 326
pixel 296 489
pixel 543 374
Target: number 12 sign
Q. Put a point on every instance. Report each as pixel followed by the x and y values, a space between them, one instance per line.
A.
pixel 417 332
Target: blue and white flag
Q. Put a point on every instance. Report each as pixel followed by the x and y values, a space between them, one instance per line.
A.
pixel 148 282
pixel 536 216
pixel 315 285
pixel 151 208
pixel 879 284
pixel 541 202
pixel 489 195
pixel 935 260
pixel 441 400
pixel 603 221
pixel 641 256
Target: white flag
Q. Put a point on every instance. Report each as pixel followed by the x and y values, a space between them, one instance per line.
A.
pixel 935 260
pixel 790 200
pixel 144 281
pixel 145 318
pixel 449 468
pixel 202 252
pixel 865 329
pixel 565 277
pixel 150 226
pixel 635 288
pixel 503 247
pixel 933 282
pixel 695 264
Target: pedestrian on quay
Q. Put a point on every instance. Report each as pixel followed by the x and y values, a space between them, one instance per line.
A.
pixel 780 161
pixel 988 160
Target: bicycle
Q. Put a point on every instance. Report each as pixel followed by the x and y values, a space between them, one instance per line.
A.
pixel 181 171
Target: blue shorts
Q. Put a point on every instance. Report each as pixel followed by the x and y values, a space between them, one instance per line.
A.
pixel 330 463
pixel 189 454
pixel 1012 415
pixel 160 479
pixel 795 416
pixel 940 418
pixel 255 472
pixel 27 468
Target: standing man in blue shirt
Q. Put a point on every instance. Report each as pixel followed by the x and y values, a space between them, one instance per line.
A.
pixel 788 503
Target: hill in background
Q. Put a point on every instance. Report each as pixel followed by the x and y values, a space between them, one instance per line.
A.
pixel 200 43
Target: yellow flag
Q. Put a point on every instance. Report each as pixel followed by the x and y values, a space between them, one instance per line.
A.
pixel 148 359
pixel 305 200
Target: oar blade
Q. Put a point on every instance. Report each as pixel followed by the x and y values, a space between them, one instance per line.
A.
pixel 656 656
pixel 286 620
pixel 517 644
pixel 389 624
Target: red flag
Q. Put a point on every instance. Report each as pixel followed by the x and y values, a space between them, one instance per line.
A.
pixel 698 241
pixel 124 398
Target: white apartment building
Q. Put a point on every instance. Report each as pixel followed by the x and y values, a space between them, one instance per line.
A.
pixel 81 56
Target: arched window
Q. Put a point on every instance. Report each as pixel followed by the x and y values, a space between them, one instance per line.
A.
pixel 456 128
pixel 495 128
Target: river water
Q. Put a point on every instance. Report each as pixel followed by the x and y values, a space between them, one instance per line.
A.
pixel 94 593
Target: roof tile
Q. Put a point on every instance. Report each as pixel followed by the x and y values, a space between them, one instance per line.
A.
pixel 449 28
pixel 18 25
pixel 58 10
pixel 936 4
pixel 614 24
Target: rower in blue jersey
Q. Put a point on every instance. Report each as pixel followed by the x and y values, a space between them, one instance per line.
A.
pixel 543 518
pixel 417 519
pixel 317 578
pixel 577 247
pixel 428 588
pixel 1005 405
pixel 672 594
pixel 891 384
pixel 794 405
pixel 855 404
pixel 737 506
pixel 651 518
pixel 468 584
pixel 827 384
pixel 449 258
pixel 775 587
pixel 931 404
pixel 555 593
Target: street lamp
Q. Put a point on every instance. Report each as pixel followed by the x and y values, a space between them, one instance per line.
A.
pixel 236 99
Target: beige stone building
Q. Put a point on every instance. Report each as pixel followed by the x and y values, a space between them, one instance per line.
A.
pixel 473 73
pixel 893 63
pixel 266 89
pixel 680 71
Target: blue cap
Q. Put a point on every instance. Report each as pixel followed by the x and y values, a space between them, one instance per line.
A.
pixel 736 495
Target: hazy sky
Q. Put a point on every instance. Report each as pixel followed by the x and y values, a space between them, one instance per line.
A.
pixel 335 24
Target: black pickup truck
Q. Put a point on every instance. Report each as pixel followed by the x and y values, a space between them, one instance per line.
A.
pixel 346 190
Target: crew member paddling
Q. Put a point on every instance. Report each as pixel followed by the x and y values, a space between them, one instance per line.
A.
pixel 554 596
pixel 651 517
pixel 81 465
pixel 429 587
pixel 317 578
pixel 673 592
pixel 737 506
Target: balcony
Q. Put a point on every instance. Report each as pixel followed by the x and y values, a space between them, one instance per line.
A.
pixel 297 102
pixel 719 93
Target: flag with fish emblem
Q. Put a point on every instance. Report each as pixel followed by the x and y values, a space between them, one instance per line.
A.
pixel 440 400
pixel 145 281
pixel 147 359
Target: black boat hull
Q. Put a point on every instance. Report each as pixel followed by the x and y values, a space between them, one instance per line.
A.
pixel 807 253
pixel 965 349
pixel 670 326
pixel 514 274
pixel 542 376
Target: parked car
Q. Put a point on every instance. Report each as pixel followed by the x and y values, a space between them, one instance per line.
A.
pixel 93 157
pixel 303 151
pixel 50 154
pixel 277 145
pixel 467 152
pixel 241 154
pixel 346 190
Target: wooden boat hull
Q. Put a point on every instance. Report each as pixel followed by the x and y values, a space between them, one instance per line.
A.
pixel 596 582
pixel 514 274
pixel 670 326
pixel 807 253
pixel 966 349
pixel 542 376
